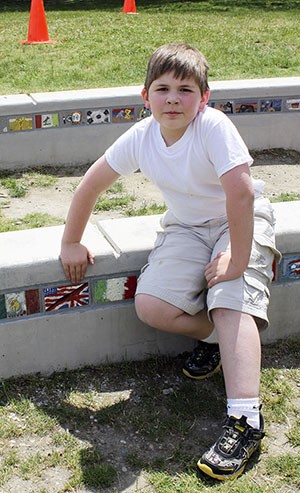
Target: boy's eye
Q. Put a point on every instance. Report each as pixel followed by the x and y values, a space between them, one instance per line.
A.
pixel 185 89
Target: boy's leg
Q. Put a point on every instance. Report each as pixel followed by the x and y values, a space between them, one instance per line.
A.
pixel 168 318
pixel 243 430
pixel 240 351
pixel 204 361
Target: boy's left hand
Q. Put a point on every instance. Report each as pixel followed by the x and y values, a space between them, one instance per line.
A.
pixel 221 268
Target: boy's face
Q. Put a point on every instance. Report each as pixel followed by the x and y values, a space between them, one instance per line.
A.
pixel 174 104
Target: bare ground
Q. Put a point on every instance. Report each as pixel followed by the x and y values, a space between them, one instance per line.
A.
pixel 279 169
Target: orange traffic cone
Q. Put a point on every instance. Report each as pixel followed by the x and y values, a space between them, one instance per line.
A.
pixel 129 7
pixel 37 28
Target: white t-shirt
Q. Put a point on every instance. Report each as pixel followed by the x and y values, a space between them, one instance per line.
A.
pixel 187 173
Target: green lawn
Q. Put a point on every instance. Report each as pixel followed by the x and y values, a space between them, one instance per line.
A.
pixel 101 47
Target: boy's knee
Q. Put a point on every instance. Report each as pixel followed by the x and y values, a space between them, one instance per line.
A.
pixel 143 308
pixel 155 312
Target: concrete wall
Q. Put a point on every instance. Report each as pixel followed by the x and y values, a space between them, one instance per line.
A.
pixel 73 128
pixel 48 325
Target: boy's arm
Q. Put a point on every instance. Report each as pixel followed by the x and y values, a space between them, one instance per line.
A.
pixel 239 192
pixel 75 256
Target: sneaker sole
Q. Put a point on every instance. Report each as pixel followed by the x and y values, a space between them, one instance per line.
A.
pixel 222 477
pixel 208 471
pixel 203 377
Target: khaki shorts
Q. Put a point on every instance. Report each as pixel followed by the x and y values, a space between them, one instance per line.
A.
pixel 175 269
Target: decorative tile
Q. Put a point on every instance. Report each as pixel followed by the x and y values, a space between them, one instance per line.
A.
pixel 116 289
pixel 224 106
pixel 130 287
pixel 20 123
pixel 293 104
pixel 71 118
pixel 94 117
pixel 3 312
pixel 274 269
pixel 64 297
pixel 121 115
pixel 47 120
pixel 246 106
pixel 3 125
pixel 270 105
pixel 15 304
pixel 32 297
pixel 142 112
pixel 290 268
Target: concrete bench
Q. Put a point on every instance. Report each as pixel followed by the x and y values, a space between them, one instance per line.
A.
pixel 72 128
pixel 47 325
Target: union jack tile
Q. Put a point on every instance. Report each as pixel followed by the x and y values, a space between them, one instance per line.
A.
pixel 65 297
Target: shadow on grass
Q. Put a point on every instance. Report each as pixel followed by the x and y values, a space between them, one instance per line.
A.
pixel 133 416
pixel 183 5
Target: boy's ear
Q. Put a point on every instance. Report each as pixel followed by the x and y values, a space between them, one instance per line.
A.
pixel 204 100
pixel 144 94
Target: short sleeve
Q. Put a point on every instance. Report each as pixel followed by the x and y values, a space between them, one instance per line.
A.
pixel 122 155
pixel 225 147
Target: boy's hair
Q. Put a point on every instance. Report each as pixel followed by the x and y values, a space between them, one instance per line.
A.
pixel 180 58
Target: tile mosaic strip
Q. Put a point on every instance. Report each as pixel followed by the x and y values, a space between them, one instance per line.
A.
pixel 75 117
pixel 51 298
pixel 99 290
pixel 257 105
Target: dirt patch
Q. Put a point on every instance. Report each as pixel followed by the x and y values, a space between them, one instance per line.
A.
pixel 279 169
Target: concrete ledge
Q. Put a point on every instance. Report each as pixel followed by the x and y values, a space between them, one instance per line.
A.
pixel 47 325
pixel 72 128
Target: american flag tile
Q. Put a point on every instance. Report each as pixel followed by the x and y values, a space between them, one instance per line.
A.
pixel 66 297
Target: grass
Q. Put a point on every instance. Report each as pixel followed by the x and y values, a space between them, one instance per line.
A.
pixel 29 221
pixel 100 47
pixel 146 210
pixel 19 185
pixel 285 197
pixel 104 426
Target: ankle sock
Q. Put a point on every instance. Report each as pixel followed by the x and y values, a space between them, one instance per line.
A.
pixel 245 407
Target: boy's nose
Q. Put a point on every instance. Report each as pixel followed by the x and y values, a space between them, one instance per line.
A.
pixel 172 98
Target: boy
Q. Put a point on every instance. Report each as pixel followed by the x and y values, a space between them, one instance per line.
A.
pixel 217 236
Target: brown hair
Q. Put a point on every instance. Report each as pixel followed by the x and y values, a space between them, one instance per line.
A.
pixel 180 58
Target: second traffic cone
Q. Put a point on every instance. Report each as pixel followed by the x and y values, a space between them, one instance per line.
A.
pixel 37 28
pixel 129 7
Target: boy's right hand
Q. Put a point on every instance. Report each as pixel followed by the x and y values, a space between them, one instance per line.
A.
pixel 75 258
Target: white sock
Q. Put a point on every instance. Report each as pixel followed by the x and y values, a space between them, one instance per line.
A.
pixel 246 407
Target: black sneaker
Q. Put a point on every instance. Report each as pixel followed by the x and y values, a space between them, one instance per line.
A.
pixel 203 362
pixel 228 457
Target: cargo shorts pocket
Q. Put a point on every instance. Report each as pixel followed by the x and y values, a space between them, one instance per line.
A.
pixel 256 293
